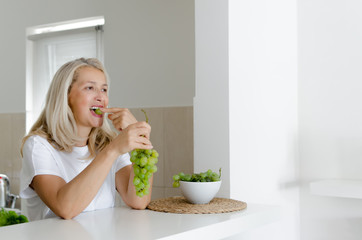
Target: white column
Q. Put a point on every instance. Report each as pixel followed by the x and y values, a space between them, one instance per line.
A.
pixel 246 103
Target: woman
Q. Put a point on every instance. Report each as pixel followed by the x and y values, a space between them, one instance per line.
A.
pixel 72 160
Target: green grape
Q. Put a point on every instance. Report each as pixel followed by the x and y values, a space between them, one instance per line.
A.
pixel 148 151
pixel 98 111
pixel 136 181
pixel 137 162
pixel 176 177
pixel 153 169
pixel 148 175
pixel 194 177
pixel 148 167
pixel 141 185
pixel 154 153
pixel 215 177
pixel 139 193
pixel 145 191
pixel 134 153
pixel 133 159
pixel 136 170
pixel 152 161
pixel 137 188
pixel 143 161
pixel 187 178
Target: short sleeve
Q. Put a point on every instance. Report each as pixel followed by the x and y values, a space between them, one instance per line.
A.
pixel 37 160
pixel 122 161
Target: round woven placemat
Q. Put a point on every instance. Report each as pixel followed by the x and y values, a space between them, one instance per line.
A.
pixel 180 205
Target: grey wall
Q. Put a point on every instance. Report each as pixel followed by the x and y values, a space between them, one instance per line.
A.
pixel 149 48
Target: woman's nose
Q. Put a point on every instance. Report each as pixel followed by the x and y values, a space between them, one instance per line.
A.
pixel 99 96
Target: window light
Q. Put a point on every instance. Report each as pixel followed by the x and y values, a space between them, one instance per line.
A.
pixel 67 25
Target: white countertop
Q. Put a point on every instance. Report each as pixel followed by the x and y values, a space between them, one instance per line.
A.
pixel 126 223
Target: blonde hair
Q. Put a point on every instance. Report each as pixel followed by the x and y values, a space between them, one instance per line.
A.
pixel 56 122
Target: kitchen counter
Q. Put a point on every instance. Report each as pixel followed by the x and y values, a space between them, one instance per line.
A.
pixel 126 223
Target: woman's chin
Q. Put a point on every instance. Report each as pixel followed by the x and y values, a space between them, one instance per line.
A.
pixel 97 124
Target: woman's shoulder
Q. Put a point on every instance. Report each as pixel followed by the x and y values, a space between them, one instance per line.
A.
pixel 36 140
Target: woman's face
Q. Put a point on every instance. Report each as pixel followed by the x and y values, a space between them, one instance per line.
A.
pixel 89 90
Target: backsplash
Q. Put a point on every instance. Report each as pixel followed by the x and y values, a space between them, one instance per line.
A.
pixel 12 128
pixel 171 136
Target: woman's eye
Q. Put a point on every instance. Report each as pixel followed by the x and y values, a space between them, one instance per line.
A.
pixel 89 88
pixel 104 90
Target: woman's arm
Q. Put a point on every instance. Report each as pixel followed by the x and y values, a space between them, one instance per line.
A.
pixel 67 200
pixel 125 187
pixel 121 118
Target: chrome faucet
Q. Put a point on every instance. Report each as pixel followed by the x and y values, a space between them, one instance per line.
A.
pixel 7 200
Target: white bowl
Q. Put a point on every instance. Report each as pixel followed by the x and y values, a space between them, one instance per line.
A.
pixel 199 192
pixel 13 209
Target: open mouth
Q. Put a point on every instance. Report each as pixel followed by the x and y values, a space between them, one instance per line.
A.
pixel 96 110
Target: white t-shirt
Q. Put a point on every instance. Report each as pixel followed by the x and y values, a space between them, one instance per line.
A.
pixel 42 158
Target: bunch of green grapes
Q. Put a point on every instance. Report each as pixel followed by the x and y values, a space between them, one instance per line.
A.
pixel 144 166
pixel 208 176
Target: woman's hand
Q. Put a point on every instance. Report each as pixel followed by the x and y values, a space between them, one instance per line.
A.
pixel 135 136
pixel 120 117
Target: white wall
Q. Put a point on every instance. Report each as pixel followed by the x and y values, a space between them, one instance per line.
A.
pixel 246 104
pixel 263 109
pixel 149 48
pixel 330 87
